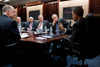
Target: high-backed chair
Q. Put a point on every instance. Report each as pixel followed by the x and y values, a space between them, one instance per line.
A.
pixel 90 48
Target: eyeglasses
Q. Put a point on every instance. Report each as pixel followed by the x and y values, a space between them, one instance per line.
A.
pixel 53 18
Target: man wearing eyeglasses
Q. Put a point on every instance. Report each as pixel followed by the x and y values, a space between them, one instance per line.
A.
pixel 59 24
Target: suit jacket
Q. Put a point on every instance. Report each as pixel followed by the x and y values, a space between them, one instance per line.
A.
pixel 63 22
pixel 33 26
pixel 23 25
pixel 78 31
pixel 8 31
pixel 45 23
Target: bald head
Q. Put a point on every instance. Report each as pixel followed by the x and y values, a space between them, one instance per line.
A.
pixel 9 11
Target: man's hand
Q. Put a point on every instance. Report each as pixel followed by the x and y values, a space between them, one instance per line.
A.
pixel 61 27
pixel 28 29
pixel 23 28
pixel 54 22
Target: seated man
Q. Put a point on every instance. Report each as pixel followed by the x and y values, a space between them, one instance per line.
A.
pixel 57 23
pixel 21 25
pixel 78 30
pixel 31 25
pixel 42 23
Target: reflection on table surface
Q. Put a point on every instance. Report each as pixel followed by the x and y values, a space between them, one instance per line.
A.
pixel 33 36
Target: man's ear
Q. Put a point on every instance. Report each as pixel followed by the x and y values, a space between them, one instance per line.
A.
pixel 75 15
pixel 7 12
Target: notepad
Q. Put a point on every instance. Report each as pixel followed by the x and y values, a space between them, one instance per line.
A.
pixel 40 38
pixel 46 36
pixel 24 35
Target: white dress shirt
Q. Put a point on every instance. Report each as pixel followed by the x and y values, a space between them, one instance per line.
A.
pixel 41 27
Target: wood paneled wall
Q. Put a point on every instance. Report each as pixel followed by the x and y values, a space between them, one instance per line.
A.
pixel 94 6
pixel 21 12
pixel 49 9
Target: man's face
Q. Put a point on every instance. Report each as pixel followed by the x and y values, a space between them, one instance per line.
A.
pixel 31 20
pixel 18 20
pixel 11 13
pixel 40 19
pixel 54 18
pixel 74 16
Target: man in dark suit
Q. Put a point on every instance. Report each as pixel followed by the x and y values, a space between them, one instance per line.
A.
pixel 42 23
pixel 20 24
pixel 8 32
pixel 31 25
pixel 78 31
pixel 57 22
pixel 79 28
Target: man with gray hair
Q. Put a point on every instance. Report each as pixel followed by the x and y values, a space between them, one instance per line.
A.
pixel 31 25
pixel 8 33
pixel 59 24
pixel 20 24
pixel 42 23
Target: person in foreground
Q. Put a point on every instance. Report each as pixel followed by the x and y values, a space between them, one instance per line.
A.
pixel 9 33
pixel 78 30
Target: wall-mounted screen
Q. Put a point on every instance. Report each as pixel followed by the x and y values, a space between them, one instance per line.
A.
pixel 67 12
pixel 34 14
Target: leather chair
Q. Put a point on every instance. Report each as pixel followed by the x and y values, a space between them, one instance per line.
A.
pixel 90 48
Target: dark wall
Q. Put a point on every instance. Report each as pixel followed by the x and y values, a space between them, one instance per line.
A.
pixel 49 9
pixel 1 9
pixel 21 12
pixel 94 6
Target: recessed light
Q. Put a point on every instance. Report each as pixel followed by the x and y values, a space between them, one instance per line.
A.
pixel 6 1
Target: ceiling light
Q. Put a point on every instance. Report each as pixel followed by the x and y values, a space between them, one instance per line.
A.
pixel 6 1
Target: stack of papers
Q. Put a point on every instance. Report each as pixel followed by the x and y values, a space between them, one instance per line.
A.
pixel 24 35
pixel 46 36
pixel 40 38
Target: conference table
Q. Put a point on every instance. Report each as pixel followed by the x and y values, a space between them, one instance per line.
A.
pixel 42 38
pixel 36 46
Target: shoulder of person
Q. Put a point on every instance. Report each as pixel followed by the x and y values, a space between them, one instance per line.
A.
pixel 34 21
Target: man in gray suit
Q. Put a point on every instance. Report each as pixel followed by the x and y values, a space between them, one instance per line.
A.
pixel 59 24
pixel 42 23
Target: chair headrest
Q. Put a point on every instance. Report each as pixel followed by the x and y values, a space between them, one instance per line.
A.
pixel 93 16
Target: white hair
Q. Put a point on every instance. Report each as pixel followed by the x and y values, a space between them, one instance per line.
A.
pixel 6 7
pixel 31 18
pixel 40 16
pixel 54 15
pixel 18 18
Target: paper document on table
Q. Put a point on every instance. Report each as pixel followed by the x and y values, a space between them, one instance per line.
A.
pixel 46 36
pixel 40 38
pixel 23 35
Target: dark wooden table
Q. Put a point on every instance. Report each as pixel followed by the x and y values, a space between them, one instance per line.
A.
pixel 32 38
pixel 36 50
